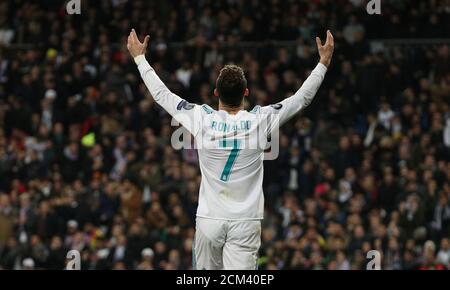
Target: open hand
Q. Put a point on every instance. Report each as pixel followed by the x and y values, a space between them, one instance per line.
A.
pixel 326 50
pixel 135 47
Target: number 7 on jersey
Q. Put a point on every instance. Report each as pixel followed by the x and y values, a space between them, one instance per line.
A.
pixel 234 145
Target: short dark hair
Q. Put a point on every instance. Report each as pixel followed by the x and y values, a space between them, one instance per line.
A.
pixel 231 84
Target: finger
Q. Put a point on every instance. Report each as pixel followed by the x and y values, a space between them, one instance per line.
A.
pixel 146 40
pixel 330 38
pixel 131 38
pixel 134 35
pixel 319 42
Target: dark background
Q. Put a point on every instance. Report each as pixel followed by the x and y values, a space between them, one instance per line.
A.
pixel 366 166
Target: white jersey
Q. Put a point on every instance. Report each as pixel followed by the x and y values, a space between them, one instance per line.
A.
pixel 230 147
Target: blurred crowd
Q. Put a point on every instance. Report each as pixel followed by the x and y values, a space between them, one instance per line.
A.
pixel 85 157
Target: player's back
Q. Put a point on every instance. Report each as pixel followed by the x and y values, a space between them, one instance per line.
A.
pixel 231 147
pixel 231 153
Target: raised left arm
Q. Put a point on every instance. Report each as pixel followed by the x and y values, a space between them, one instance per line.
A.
pixel 304 96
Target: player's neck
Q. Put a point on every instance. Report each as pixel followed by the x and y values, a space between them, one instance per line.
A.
pixel 231 110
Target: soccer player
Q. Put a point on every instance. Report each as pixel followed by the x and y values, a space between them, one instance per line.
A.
pixel 231 200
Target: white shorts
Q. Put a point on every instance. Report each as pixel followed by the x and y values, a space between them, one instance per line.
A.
pixel 226 245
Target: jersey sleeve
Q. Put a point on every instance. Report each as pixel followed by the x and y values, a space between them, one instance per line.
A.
pixel 187 114
pixel 279 113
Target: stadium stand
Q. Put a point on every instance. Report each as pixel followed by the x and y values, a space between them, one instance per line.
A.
pixel 85 155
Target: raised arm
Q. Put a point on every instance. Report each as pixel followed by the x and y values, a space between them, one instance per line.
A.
pixel 303 97
pixel 185 113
